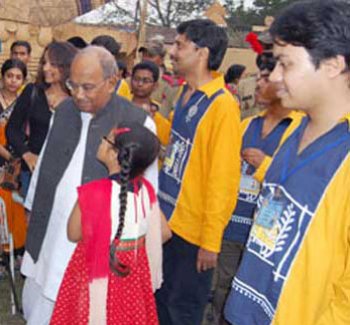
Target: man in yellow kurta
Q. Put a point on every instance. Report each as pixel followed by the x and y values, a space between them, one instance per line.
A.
pixel 199 179
pixel 296 265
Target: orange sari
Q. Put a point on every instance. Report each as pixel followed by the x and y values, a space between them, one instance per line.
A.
pixel 15 212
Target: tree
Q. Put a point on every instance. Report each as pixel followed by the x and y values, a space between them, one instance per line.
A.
pixel 265 8
pixel 239 18
pixel 168 13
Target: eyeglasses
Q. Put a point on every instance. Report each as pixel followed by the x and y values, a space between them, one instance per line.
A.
pixel 108 141
pixel 87 88
pixel 142 80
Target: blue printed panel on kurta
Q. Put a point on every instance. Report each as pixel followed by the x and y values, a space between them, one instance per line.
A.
pixel 239 226
pixel 271 251
pixel 185 123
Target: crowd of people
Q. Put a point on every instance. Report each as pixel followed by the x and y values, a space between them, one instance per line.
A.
pixel 148 199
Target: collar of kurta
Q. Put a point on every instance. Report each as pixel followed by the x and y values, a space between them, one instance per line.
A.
pixel 346 118
pixel 211 87
pixel 293 114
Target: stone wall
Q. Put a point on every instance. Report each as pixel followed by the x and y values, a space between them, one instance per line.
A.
pixel 39 37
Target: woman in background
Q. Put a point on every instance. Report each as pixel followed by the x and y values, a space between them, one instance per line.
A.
pixel 29 122
pixel 232 77
pixel 13 74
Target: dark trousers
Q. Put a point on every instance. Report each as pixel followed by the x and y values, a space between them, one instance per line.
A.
pixel 228 263
pixel 183 296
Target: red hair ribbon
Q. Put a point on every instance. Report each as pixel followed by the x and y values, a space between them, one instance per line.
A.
pixel 252 39
pixel 121 131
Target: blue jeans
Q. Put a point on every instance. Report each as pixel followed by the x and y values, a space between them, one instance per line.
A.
pixel 183 296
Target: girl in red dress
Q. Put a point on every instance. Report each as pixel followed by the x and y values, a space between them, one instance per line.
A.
pixel 108 279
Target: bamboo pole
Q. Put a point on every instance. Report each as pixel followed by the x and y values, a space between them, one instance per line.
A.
pixel 142 29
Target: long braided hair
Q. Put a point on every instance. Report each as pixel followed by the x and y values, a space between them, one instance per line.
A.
pixel 137 148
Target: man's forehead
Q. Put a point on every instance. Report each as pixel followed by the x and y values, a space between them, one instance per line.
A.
pixel 20 49
pixel 182 38
pixel 286 50
pixel 85 66
pixel 87 61
pixel 143 71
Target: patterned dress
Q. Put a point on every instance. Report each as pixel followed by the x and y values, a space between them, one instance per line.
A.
pixel 90 292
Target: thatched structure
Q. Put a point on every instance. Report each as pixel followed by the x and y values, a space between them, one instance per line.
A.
pixel 45 12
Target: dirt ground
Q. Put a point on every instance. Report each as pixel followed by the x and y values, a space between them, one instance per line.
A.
pixel 5 301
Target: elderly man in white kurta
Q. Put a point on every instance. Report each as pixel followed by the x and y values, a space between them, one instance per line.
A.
pixel 68 160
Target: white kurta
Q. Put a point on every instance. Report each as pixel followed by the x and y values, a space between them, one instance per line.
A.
pixel 56 250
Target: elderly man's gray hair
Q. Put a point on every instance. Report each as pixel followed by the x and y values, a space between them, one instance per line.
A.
pixel 106 59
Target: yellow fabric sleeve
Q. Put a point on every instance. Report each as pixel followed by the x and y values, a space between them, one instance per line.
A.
pixel 260 172
pixel 163 128
pixel 338 310
pixel 224 148
pixel 124 90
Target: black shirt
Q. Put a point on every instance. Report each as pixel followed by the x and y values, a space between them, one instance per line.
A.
pixel 31 109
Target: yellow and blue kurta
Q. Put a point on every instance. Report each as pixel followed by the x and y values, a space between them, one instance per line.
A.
pixel 251 177
pixel 122 89
pixel 198 183
pixel 296 267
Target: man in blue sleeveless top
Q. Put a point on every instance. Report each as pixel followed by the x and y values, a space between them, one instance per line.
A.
pixel 296 265
pixel 199 179
pixel 262 135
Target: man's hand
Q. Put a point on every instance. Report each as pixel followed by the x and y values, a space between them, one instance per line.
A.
pixel 253 156
pixel 206 260
pixel 30 159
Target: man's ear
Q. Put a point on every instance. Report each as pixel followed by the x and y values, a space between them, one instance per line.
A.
pixel 334 66
pixel 112 83
pixel 204 54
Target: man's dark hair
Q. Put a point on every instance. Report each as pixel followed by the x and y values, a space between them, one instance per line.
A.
pixel 123 69
pixel 321 27
pixel 147 65
pixel 205 33
pixel 234 72
pixel 21 43
pixel 77 41
pixel 108 42
pixel 266 61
